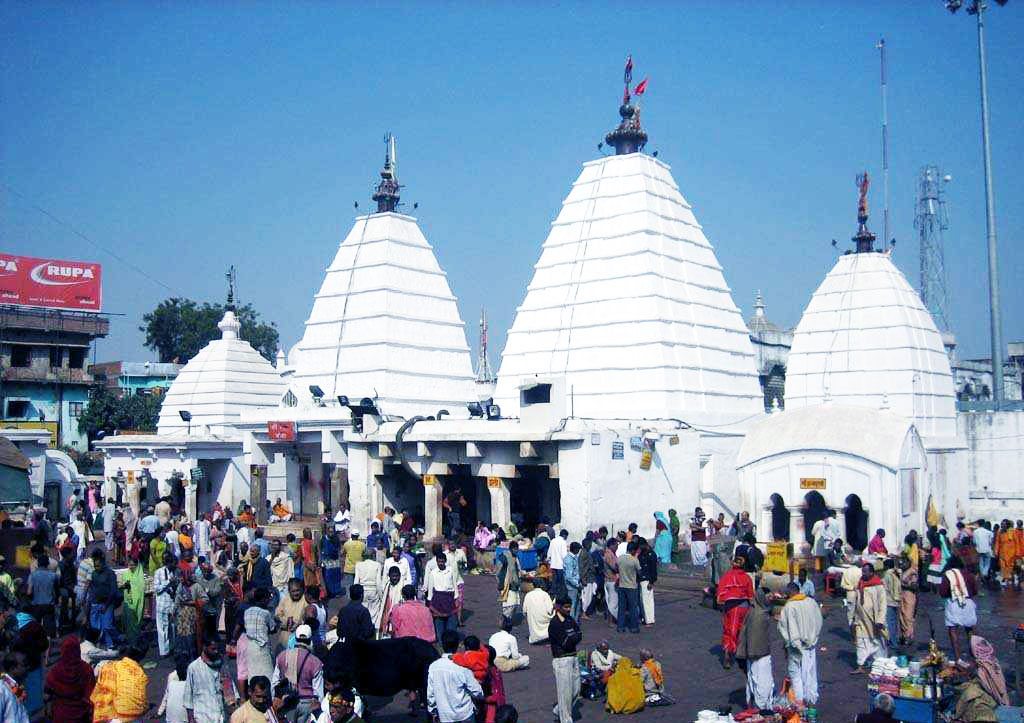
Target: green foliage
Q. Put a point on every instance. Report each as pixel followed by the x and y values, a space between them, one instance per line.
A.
pixel 107 411
pixel 178 328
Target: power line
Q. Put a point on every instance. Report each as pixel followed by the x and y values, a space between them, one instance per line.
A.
pixel 82 236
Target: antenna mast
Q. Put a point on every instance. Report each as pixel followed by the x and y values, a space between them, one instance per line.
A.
pixel 930 220
pixel 886 238
pixel 484 373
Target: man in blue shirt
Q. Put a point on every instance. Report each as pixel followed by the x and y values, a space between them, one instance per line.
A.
pixel 378 540
pixel 149 524
pixel 571 574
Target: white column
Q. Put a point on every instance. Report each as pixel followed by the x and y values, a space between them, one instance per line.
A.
pixel 132 493
pixel 432 512
pixel 190 499
pixel 501 501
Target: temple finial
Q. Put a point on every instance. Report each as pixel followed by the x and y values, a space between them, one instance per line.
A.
pixel 230 276
pixel 629 136
pixel 864 239
pixel 386 194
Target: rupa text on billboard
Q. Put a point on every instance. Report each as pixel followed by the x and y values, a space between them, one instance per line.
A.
pixel 56 284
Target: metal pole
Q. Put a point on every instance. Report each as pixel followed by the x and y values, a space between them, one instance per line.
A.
pixel 886 238
pixel 990 219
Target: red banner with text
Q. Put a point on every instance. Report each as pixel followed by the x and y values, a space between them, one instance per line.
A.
pixel 52 283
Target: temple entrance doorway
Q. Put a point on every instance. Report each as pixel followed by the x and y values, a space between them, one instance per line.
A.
pixel 534 498
pixel 856 519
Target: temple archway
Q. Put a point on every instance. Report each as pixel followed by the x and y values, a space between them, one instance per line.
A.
pixel 856 523
pixel 814 510
pixel 780 519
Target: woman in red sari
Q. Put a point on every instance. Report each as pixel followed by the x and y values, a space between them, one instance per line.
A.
pixel 735 593
pixel 69 685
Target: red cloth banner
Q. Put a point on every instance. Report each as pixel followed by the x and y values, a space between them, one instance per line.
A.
pixel 641 87
pixel 281 431
pixel 51 283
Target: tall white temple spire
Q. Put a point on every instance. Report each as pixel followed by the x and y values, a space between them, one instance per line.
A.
pixel 385 324
pixel 628 302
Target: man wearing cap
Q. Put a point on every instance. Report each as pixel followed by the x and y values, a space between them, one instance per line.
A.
pixel 304 671
pixel 564 634
pixel 353 549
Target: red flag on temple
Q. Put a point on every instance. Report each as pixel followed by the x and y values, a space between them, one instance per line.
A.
pixel 640 87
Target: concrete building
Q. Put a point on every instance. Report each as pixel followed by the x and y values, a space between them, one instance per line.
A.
pixel 865 340
pixel 45 381
pixel 866 465
pixel 126 378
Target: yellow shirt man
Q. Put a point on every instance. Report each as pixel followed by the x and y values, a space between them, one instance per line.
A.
pixel 353 550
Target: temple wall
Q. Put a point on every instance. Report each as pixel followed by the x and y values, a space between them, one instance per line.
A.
pixel 993 462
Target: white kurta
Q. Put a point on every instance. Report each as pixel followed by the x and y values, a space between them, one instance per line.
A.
pixel 539 610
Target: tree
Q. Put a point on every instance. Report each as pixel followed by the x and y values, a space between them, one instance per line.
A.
pixel 106 411
pixel 178 328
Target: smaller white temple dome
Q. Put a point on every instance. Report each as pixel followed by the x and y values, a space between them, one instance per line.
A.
pixel 225 377
pixel 866 338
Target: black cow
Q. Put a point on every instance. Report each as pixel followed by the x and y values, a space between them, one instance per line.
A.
pixel 383 667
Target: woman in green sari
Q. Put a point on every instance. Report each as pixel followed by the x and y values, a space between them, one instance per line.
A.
pixel 134 599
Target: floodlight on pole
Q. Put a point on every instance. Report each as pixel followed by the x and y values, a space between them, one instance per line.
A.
pixel 977 8
pixel 186 417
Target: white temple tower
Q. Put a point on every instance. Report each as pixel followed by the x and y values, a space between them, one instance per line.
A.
pixel 385 324
pixel 866 339
pixel 628 302
pixel 225 377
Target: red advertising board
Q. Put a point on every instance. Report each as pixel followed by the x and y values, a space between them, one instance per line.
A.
pixel 281 431
pixel 56 284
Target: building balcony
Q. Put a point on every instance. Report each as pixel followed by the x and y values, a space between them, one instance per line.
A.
pixel 77 322
pixel 47 376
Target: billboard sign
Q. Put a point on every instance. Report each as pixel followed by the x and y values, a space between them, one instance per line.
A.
pixel 51 283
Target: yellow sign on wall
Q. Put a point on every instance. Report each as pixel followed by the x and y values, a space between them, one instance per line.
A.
pixel 776 557
pixel 429 480
pixel 812 483
pixel 494 482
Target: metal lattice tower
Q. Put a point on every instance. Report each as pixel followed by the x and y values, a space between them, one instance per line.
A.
pixel 484 373
pixel 931 219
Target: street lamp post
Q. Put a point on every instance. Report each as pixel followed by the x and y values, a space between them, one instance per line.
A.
pixel 977 8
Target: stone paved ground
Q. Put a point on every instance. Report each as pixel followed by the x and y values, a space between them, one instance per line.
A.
pixel 685 639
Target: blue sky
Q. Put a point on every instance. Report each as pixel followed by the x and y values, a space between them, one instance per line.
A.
pixel 185 137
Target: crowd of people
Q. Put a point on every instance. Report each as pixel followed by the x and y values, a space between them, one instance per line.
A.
pixel 110 590
pixel 880 590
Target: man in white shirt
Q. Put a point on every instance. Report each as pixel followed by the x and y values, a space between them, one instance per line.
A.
pixel 983 546
pixel 557 551
pixel 109 511
pixel 396 560
pixel 539 609
pixel 452 691
pixel 342 521
pixel 368 575
pixel 201 536
pixel 506 649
